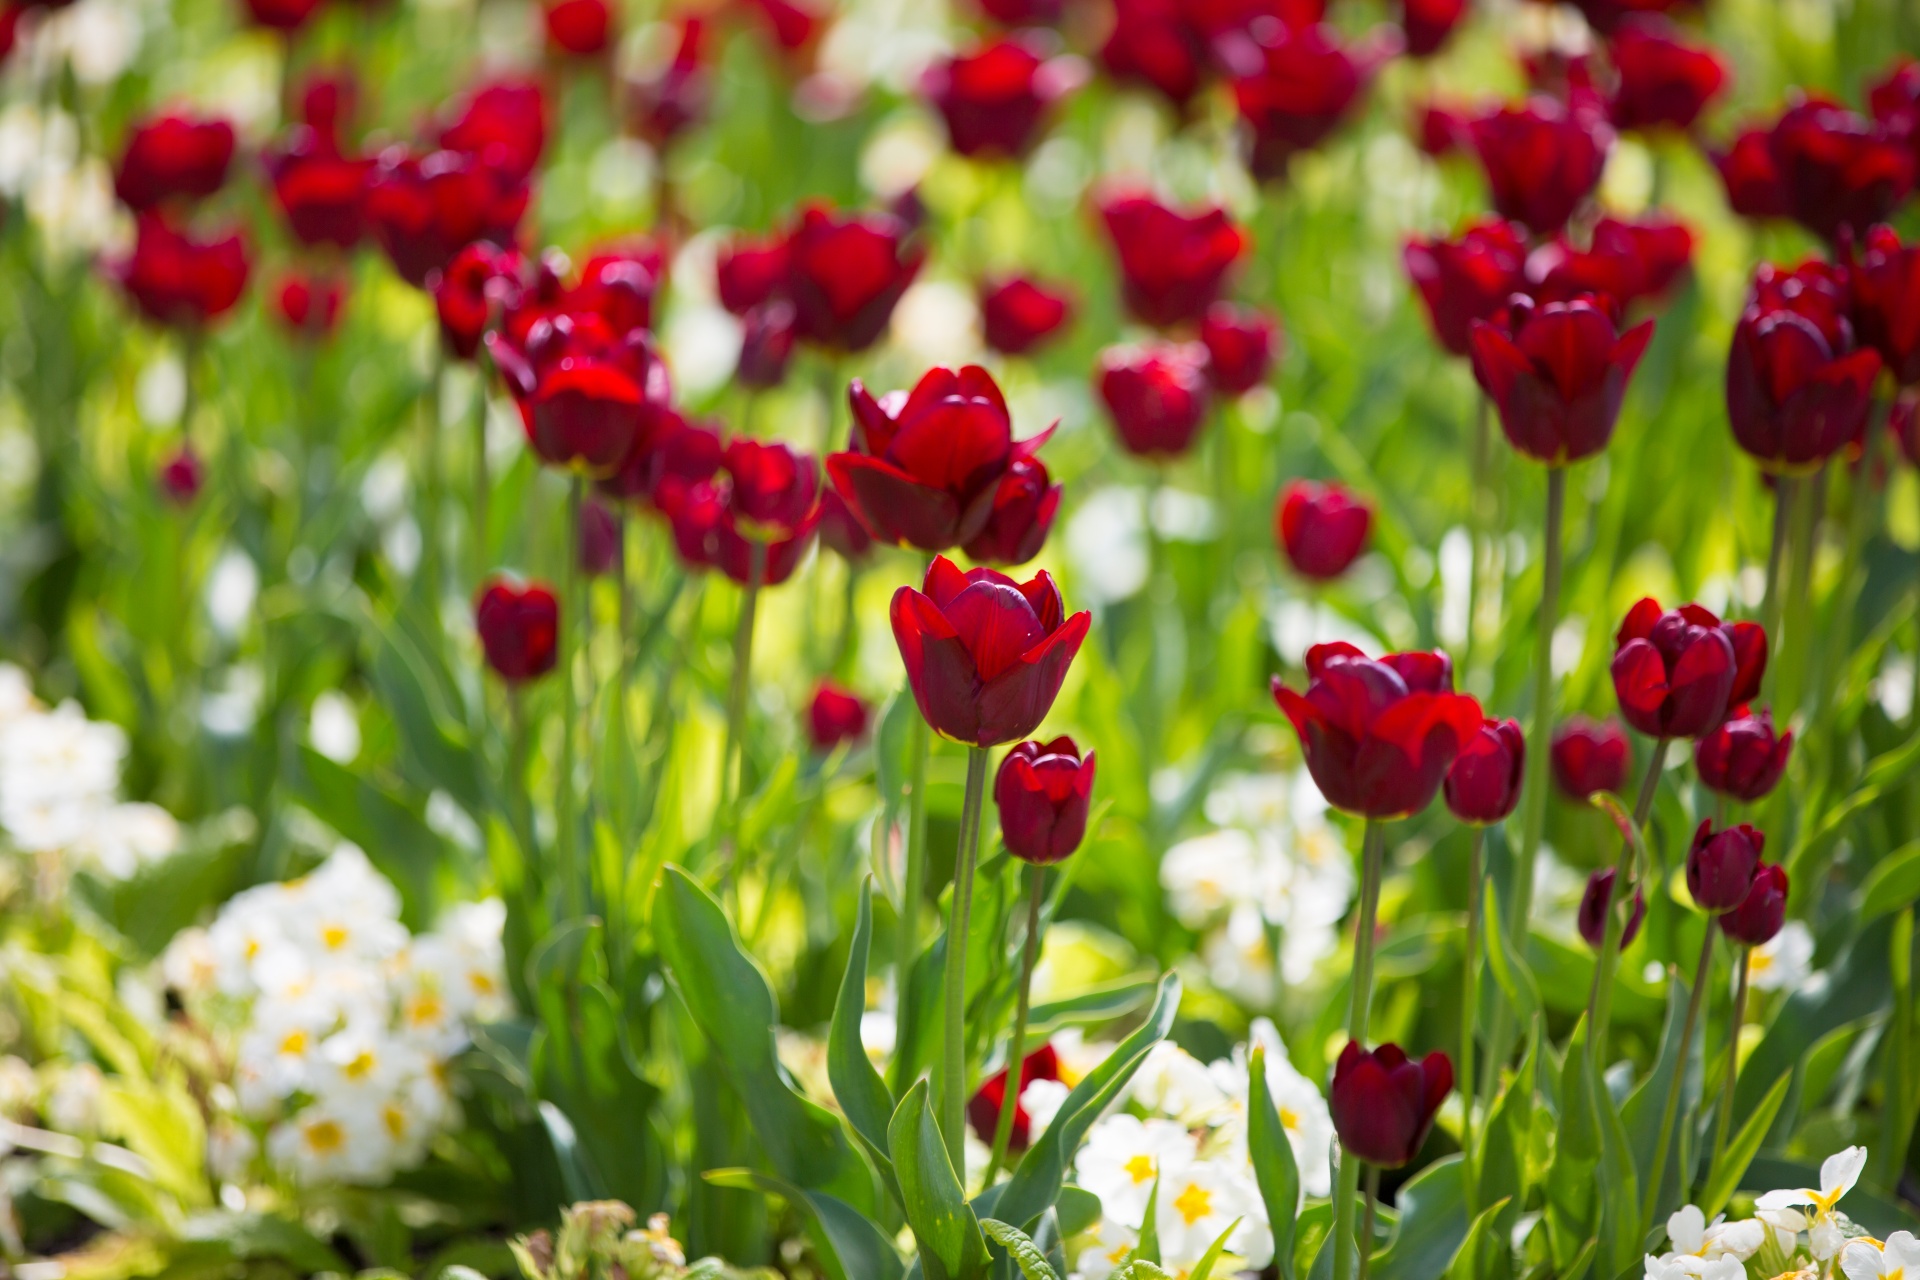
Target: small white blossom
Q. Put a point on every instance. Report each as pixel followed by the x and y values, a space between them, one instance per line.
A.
pixel 1838 1173
pixel 1784 961
pixel 1897 1259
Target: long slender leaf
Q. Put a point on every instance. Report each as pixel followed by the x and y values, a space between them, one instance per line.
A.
pixel 1726 1173
pixel 851 1246
pixel 1274 1168
pixel 863 1096
pixel 951 1247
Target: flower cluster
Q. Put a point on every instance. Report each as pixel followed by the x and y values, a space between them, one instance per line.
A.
pixel 1796 1231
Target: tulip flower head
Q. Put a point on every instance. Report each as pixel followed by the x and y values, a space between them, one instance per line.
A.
pixel 835 715
pixel 1885 291
pixel 985 655
pixel 1558 375
pixel 579 28
pixel 321 191
pixel 1043 791
pixel 1797 390
pixel 1154 43
pixel 983 1109
pixel 1024 504
pixel 1663 80
pixel 1173 265
pixel 586 392
pixel 841 531
pixel 181 475
pixel 1156 394
pixel 178 279
pixel 1018 314
pixel 1467 279
pixel 1677 672
pixel 1426 24
pixel 1761 914
pixel 519 628
pixel 753 516
pixel 425 209
pixel 1751 175
pixel 1483 786
pixel 1241 346
pixel 845 272
pixel 1592 917
pixel 1542 159
pixel 1589 756
pixel 1305 84
pixel 995 98
pixel 1379 734
pixel 1624 261
pixel 504 121
pixel 1721 866
pixel 1743 758
pixel 478 286
pixel 1837 169
pixel 1322 528
pixel 1383 1102
pixel 309 305
pixel 750 272
pixel 173 157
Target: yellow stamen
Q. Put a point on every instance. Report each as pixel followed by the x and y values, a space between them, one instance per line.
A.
pixel 1194 1203
pixel 326 1136
pixel 1140 1168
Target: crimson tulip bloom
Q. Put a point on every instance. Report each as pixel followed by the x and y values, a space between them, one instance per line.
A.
pixel 321 192
pixel 1043 792
pixel 585 392
pixel 1467 279
pixel 985 655
pixel 841 530
pixel 1797 392
pixel 1379 735
pixel 1024 504
pixel 1018 314
pixel 666 103
pixel 425 210
pixel 519 627
pixel 749 272
pixel 1673 671
pixel 1589 756
pixel 1321 527
pixel 1762 913
pixel 995 98
pixel 835 715
pixel 1542 159
pixel 1440 129
pixel 620 280
pixel 1241 344
pixel 1305 85
pixel 1172 265
pixel 1626 261
pixel 1483 786
pixel 1743 758
pixel 1751 176
pixel 1592 917
pixel 1428 23
pixel 473 291
pixel 173 157
pixel 845 272
pixel 581 28
pixel 281 15
pixel 178 279
pixel 1606 16
pixel 1838 169
pixel 1156 394
pixel 1383 1102
pixel 1152 43
pixel 1021 13
pixel 180 476
pixel 766 344
pixel 309 305
pixel 1721 865
pixel 1558 376
pixel 759 503
pixel 983 1109
pixel 505 123
pixel 1894 101
pixel 1885 291
pixel 1663 80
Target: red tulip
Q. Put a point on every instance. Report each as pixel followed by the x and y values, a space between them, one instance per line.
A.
pixel 766 344
pixel 1379 735
pixel 1024 504
pixel 181 476
pixel 1043 791
pixel 1241 344
pixel 983 1109
pixel 1153 44
pixel 794 28
pixel 1663 80
pixel 1305 85
pixel 426 210
pixel 665 104
pixel 1321 527
pixel 10 15
pixel 1428 23
pixel 1441 129
pixel 762 501
pixel 1567 77
pixel 985 655
pixel 1589 756
pixel 585 392
pixel 1895 103
pixel 1751 175
pixel 179 280
pixel 1156 394
pixel 1483 786
pixel 328 99
pixel 1467 279
pixel 309 305
pixel 1743 758
pixel 1383 1102
pixel 995 97
pixel 1838 169
pixel 1885 280
pixel 582 28
pixel 281 15
pixel 835 715
pixel 1022 13
pixel 1558 377
pixel 1542 159
pixel 1592 917
pixel 1018 314
pixel 841 530
pixel 519 629
pixel 477 286
pixel 1627 261
pixel 750 272
pixel 1721 865
pixel 598 538
pixel 1172 265
pixel 1797 392
pixel 322 192
pixel 619 282
pixel 845 272
pixel 1762 912
pixel 503 122
pixel 173 157
pixel 1672 671
pixel 1606 16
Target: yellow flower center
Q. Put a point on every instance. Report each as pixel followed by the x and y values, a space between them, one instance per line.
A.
pixel 1193 1204
pixel 1118 1254
pixel 1289 1120
pixel 294 1044
pixel 1140 1168
pixel 396 1121
pixel 424 1010
pixel 326 1136
pixel 335 936
pixel 359 1066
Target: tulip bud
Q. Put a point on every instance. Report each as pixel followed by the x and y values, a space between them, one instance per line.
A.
pixel 1721 865
pixel 1762 912
pixel 1043 791
pixel 1172 265
pixel 179 280
pixel 479 282
pixel 1885 281
pixel 582 28
pixel 835 715
pixel 995 97
pixel 1589 756
pixel 1321 527
pixel 321 192
pixel 1663 80
pixel 425 209
pixel 173 157
pixel 1541 160
pixel 181 476
pixel 1743 757
pixel 1152 43
pixel 1241 346
pixel 1751 176
pixel 983 1109
pixel 1558 376
pixel 505 120
pixel 845 272
pixel 1673 671
pixel 600 536
pixel 1467 279
pixel 1156 394
pixel 309 306
pixel 1024 504
pixel 1383 1103
pixel 749 272
pixel 519 628
pixel 1440 130
pixel 1303 84
pixel 1593 911
pixel 1018 314
pixel 1838 170
pixel 1483 786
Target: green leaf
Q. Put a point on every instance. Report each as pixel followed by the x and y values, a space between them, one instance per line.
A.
pixel 1021 1248
pixel 1273 1164
pixel 1893 885
pixel 1646 1107
pixel 1509 971
pixel 851 1247
pixel 395 837
pixel 264 1235
pixel 951 1247
pixel 1096 1005
pixel 863 1096
pixel 1203 1269
pixel 1147 1247
pixel 1724 1177
pixel 1508 1133
pixel 576 1168
pixel 1433 1222
pixel 1572 1205
pixel 1078 1210
pixel 1474 1259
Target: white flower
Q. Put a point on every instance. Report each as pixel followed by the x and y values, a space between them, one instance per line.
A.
pixel 16 691
pixel 1122 1157
pixel 1112 1242
pixel 1838 1173
pixel 231 1147
pixel 1691 1234
pixel 1173 1083
pixel 1199 1201
pixel 73 1104
pixel 1686 1267
pixel 123 837
pixel 1894 1260
pixel 1209 874
pixel 1303 1112
pixel 1784 961
pixel 321 1144
pixel 1041 1101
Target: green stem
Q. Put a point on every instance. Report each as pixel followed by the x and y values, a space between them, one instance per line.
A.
pixel 1371 1196
pixel 1346 1187
pixel 1724 1122
pixel 733 765
pixel 919 745
pixel 1360 1003
pixel 522 815
pixel 571 631
pixel 482 481
pixel 1656 1172
pixel 953 1067
pixel 1017 1049
pixel 1783 491
pixel 1469 1009
pixel 1534 813
pixel 1478 518
pixel 1794 645
pixel 1600 998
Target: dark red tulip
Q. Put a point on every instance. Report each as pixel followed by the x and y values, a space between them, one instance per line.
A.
pixel 1797 391
pixel 1483 786
pixel 1542 159
pixel 10 15
pixel 1749 641
pixel 1721 865
pixel 845 272
pixel 1241 345
pixel 983 1109
pixel 1153 44
pixel 1383 1102
pixel 1743 758
pixel 1428 23
pixel 760 502
pixel 926 466
pixel 1885 291
pixel 1663 80
pixel 1751 175
pixel 1672 671
pixel 1172 265
pixel 1321 527
pixel 671 100
pixel 1467 279
pixel 1024 504
pixel 1606 16
pixel 1441 129
pixel 835 715
pixel 841 531
pixel 1592 917
pixel 1043 791
pixel 619 282
pixel 178 279
pixel 424 211
pixel 985 654
pixel 1565 76
pixel 1379 735
pixel 669 454
pixel 585 392
pixel 1894 101
pixel 309 305
pixel 322 193
pixel 281 15
pixel 1018 314
pixel 766 344
pixel 519 628
pixel 1839 169
pixel 1156 394
pixel 995 97
pixel 1589 756
pixel 1626 261
pixel 173 157
pixel 774 487
pixel 504 122
pixel 598 539
pixel 181 475
pixel 1558 376
pixel 1762 912
pixel 580 28
pixel 328 100
pixel 1305 84
pixel 750 272
pixel 1022 13
pixel 794 28
pixel 477 286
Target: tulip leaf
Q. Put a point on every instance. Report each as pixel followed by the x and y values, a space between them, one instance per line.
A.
pixel 1646 1107
pixel 1893 885
pixel 1100 1004
pixel 1433 1222
pixel 1203 1269
pixel 850 1246
pixel 1727 1171
pixel 1020 1247
pixel 1509 970
pixel 1274 1168
pixel 1147 1247
pixel 951 1247
pixel 1572 1208
pixel 863 1096
pixel 1474 1259
pixel 1508 1133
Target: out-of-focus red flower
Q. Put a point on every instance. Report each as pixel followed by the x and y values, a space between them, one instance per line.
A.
pixel 1673 670
pixel 479 284
pixel 173 157
pixel 983 1109
pixel 1043 792
pixel 1763 912
pixel 178 279
pixel 1626 261
pixel 1383 1103
pixel 1558 376
pixel 1156 394
pixel 1751 176
pixel 985 654
pixel 328 100
pixel 282 15
pixel 1024 504
pixel 505 123
pixel 180 476
pixel 321 192
pixel 1442 129
pixel 1483 786
pixel 841 531
pixel 309 304
pixel 1241 344
pixel 995 97
pixel 1721 865
pixel 1153 44
pixel 1797 391
pixel 1885 289
pixel 425 210
pixel 795 28
pixel 10 15
pixel 620 280
pixel 845 272
pixel 1379 734
pixel 1427 24
pixel 1838 169
pixel 835 715
pixel 1743 758
pixel 666 103
pixel 519 627
pixel 749 272
pixel 1589 756
pixel 763 503
pixel 1542 159
pixel 586 392
pixel 1606 16
pixel 1466 279
pixel 580 28
pixel 1321 527
pixel 1894 100
pixel 1305 85
pixel 1663 80
pixel 1565 76
pixel 598 539
pixel 766 344
pixel 669 454
pixel 1017 314
pixel 1172 264
pixel 1022 13
pixel 1592 917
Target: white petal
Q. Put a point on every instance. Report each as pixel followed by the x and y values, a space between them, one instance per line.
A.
pixel 1784 1199
pixel 1839 1171
pixel 1862 1261
pixel 1687 1227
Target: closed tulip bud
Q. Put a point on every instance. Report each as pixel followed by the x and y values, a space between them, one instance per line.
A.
pixel 1383 1103
pixel 1156 394
pixel 1018 314
pixel 1837 169
pixel 1673 671
pixel 1542 160
pixel 1305 85
pixel 766 344
pixel 472 292
pixel 181 475
pixel 600 536
pixel 1751 176
pixel 321 192
pixel 845 272
pixel 1440 129
pixel 1321 527
pixel 309 305
pixel 1762 912
pixel 835 715
pixel 1592 918
pixel 1589 756
pixel 749 272
pixel 753 515
pixel 1379 734
pixel 985 655
pixel 995 98
pixel 1152 43
pixel 504 120
pixel 1885 290
pixel 1663 80
pixel 1043 791
pixel 1483 786
pixel 1797 392
pixel 424 210
pixel 519 627
pixel 1024 504
pixel 1721 865
pixel 1172 265
pixel 1743 758
pixel 983 1109
pixel 178 279
pixel 1428 23
pixel 1558 376
pixel 173 157
pixel 585 392
pixel 1467 279
pixel 1241 346
pixel 580 28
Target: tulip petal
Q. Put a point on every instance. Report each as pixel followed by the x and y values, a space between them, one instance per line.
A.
pixel 1640 684
pixel 1013 704
pixel 892 505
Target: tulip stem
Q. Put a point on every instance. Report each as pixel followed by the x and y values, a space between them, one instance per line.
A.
pixel 733 765
pixel 1347 1186
pixel 1534 815
pixel 1725 1119
pixel 908 951
pixel 1656 1172
pixel 1361 1003
pixel 1794 654
pixel 1469 1008
pixel 1480 501
pixel 1017 1048
pixel 482 481
pixel 1783 491
pixel 1369 1197
pixel 571 630
pixel 1600 999
pixel 953 1075
pixel 522 814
